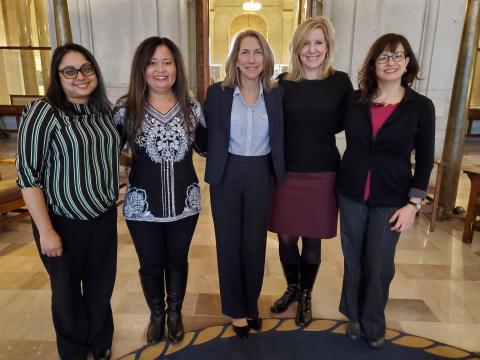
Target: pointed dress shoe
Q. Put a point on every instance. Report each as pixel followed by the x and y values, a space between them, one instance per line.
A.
pixel 255 324
pixel 376 344
pixel 102 354
pixel 241 331
pixel 354 331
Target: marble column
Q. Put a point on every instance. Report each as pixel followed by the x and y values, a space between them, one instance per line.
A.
pixel 41 17
pixel 27 57
pixel 63 31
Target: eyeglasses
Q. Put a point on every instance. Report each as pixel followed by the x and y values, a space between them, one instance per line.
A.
pixel 397 57
pixel 70 72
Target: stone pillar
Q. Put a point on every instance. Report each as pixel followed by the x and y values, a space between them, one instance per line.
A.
pixel 287 27
pixel 63 32
pixel 41 16
pixel 458 113
pixel 27 57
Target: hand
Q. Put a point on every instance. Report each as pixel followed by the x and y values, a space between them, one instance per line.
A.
pixel 403 218
pixel 51 243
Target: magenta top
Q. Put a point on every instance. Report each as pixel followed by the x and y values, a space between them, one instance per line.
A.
pixel 380 114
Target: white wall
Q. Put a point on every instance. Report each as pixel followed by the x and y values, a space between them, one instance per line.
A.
pixel 433 28
pixel 113 28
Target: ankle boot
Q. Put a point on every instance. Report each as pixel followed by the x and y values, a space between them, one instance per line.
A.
pixel 308 274
pixel 176 286
pixel 154 290
pixel 291 273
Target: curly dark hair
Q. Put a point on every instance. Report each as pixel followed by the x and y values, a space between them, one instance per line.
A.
pixel 367 77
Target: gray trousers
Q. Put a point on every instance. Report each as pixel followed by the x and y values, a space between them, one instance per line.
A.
pixel 368 247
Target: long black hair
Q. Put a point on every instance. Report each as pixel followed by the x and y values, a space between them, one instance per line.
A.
pixel 55 93
pixel 138 90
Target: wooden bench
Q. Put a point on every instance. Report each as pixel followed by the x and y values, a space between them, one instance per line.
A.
pixel 473 209
pixel 18 103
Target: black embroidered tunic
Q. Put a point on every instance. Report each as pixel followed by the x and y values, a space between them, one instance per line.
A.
pixel 163 185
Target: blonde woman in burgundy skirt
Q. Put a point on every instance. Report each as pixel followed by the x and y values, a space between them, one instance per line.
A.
pixel 305 204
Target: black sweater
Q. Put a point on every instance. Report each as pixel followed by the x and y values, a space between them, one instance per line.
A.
pixel 313 113
pixel 410 127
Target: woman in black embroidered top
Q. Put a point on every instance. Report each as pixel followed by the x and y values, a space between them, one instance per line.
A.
pixel 67 165
pixel 379 197
pixel 159 120
pixel 305 204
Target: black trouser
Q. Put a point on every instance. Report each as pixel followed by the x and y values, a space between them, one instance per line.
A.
pixel 239 208
pixel 369 251
pixel 82 281
pixel 162 245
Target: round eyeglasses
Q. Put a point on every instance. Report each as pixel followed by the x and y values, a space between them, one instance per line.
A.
pixel 70 72
pixel 397 57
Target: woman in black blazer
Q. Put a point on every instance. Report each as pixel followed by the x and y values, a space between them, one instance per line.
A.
pixel 245 146
pixel 379 197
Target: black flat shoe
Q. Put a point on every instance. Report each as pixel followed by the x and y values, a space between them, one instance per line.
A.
pixel 255 324
pixel 102 354
pixel 376 344
pixel 354 330
pixel 241 331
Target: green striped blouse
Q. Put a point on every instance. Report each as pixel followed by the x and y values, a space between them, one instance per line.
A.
pixel 74 158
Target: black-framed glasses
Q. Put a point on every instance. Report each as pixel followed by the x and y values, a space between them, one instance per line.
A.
pixel 70 72
pixel 399 56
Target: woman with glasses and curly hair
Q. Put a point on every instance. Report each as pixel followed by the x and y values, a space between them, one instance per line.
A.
pixel 67 164
pixel 385 122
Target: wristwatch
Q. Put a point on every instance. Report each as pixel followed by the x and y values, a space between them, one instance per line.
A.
pixel 417 206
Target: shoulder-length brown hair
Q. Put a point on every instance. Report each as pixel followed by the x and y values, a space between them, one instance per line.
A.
pixel 232 78
pixel 317 22
pixel 137 95
pixel 367 76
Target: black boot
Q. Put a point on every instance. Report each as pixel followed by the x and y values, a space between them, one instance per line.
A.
pixel 176 286
pixel 308 274
pixel 154 290
pixel 293 288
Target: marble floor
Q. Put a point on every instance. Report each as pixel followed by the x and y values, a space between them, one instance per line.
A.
pixel 435 293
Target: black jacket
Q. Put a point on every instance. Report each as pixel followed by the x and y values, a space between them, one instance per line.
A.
pixel 218 108
pixel 410 127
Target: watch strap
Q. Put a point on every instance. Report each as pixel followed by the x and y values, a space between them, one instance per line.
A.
pixel 417 206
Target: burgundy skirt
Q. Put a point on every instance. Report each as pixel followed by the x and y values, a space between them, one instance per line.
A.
pixel 305 204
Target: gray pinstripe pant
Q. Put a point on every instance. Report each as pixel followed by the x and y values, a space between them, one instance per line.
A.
pixel 368 247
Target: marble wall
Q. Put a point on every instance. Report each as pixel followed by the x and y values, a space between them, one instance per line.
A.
pixel 433 28
pixel 113 28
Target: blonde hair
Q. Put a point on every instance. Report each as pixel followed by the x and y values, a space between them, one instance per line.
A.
pixel 232 78
pixel 296 68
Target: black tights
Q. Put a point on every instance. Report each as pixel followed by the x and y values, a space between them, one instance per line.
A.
pixel 289 253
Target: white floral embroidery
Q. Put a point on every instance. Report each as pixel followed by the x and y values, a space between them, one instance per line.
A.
pixel 120 111
pixel 192 202
pixel 136 204
pixel 164 137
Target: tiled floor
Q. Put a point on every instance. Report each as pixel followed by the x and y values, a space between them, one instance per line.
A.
pixel 435 293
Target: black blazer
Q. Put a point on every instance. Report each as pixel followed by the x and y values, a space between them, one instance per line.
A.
pixel 218 108
pixel 410 127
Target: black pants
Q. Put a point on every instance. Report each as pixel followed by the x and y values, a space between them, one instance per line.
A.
pixel 368 247
pixel 162 245
pixel 239 208
pixel 82 281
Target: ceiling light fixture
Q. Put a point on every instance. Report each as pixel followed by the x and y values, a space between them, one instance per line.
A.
pixel 251 5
